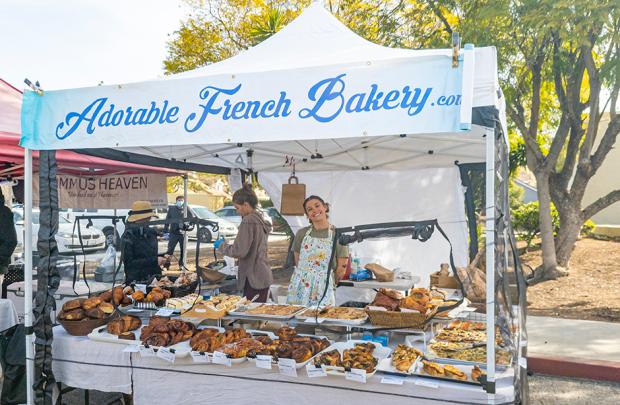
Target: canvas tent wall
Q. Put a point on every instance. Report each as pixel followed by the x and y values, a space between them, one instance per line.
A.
pixel 362 115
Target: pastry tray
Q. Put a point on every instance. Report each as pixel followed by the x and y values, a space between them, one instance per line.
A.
pixel 381 352
pixel 297 365
pixel 419 372
pixel 237 312
pixel 332 321
pixel 252 332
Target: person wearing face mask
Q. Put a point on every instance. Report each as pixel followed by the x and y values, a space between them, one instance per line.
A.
pixel 312 248
pixel 250 246
pixel 175 212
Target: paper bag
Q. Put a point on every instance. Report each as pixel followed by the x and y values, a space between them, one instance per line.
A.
pixel 293 196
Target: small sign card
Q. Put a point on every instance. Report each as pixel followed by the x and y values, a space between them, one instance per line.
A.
pixel 393 380
pixel 425 383
pixel 221 358
pixel 200 357
pixel 287 367
pixel 167 354
pixel 356 374
pixel 315 320
pixel 314 371
pixel 146 351
pixel 165 312
pixel 131 349
pixel 263 361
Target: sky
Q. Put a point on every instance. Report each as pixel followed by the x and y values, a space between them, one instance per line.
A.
pixel 78 43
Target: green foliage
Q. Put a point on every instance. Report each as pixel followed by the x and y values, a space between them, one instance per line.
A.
pixel 525 219
pixel 588 228
pixel 515 195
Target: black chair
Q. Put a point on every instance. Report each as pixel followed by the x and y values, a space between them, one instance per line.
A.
pixel 15 274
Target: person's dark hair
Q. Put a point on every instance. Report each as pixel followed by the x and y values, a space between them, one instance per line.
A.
pixel 316 197
pixel 245 195
pixel 180 197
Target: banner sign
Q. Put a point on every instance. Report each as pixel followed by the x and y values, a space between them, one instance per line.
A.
pixel 403 96
pixel 114 191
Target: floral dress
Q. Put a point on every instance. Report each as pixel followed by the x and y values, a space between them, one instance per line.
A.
pixel 308 281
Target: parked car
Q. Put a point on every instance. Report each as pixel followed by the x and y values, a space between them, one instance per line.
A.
pixel 68 241
pixel 229 213
pixel 227 229
pixel 278 221
pixel 105 225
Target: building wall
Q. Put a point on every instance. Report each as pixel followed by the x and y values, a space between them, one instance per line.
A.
pixel 605 180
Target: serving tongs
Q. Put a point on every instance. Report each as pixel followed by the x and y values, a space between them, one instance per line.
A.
pixel 244 307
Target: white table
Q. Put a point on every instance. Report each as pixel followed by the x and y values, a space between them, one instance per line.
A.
pixel 156 381
pixel 8 314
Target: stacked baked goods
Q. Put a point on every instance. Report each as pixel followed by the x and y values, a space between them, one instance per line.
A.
pixel 391 308
pixel 336 313
pixel 443 371
pixel 290 345
pixel 223 302
pixel 210 340
pixel 359 357
pixel 404 357
pixel 273 309
pixel 183 303
pixel 162 331
pixel 157 296
pixel 91 308
pixel 123 327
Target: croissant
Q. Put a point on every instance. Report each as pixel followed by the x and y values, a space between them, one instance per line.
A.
pixel 157 339
pixel 286 333
pixel 301 354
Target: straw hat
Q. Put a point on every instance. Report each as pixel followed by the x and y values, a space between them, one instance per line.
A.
pixel 140 210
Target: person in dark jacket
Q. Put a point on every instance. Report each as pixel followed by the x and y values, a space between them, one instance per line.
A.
pixel 139 245
pixel 8 237
pixel 174 230
pixel 250 246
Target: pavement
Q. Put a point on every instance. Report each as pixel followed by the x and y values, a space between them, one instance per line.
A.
pixel 574 348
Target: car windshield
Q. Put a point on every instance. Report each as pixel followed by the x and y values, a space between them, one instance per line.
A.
pixel 204 213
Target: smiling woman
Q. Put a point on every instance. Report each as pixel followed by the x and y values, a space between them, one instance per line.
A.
pixel 312 282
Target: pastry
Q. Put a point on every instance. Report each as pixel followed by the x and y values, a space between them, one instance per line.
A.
pixel 106 307
pixel 433 369
pixel 301 354
pixel 286 333
pixel 157 339
pixel 127 336
pixel 403 357
pixel 125 301
pixel 344 313
pixel 155 297
pixel 91 303
pixel 476 373
pixel 106 296
pixel 95 313
pixel 74 315
pixel 123 324
pixel 411 303
pixel 117 295
pixel 72 304
pixel 138 296
pixel 454 372
pixel 270 309
pixel 331 358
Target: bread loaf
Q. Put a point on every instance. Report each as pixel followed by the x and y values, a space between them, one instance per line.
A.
pixel 74 315
pixel 95 313
pixel 72 304
pixel 91 303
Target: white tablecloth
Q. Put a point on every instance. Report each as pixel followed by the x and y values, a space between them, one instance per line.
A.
pixel 158 382
pixel 8 314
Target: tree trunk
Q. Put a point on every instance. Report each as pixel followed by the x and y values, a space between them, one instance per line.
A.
pixel 570 226
pixel 549 269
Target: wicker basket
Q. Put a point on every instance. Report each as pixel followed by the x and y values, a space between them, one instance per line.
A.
pixel 83 327
pixel 395 319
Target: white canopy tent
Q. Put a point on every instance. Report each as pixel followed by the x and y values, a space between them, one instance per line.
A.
pixel 375 130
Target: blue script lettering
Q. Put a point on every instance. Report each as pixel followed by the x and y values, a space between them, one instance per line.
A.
pixel 93 117
pixel 330 89
pixel 330 99
pixel 231 110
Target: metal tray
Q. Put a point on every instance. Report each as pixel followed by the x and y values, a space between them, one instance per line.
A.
pixel 238 312
pixel 419 372
pixel 332 321
pixel 381 352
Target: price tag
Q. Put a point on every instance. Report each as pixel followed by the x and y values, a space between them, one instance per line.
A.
pixel 393 380
pixel 200 357
pixel 221 358
pixel 287 367
pixel 315 372
pixel 165 312
pixel 131 349
pixel 356 374
pixel 427 384
pixel 146 351
pixel 141 287
pixel 165 353
pixel 263 361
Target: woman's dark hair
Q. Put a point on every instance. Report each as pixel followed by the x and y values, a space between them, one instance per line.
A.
pixel 245 195
pixel 315 197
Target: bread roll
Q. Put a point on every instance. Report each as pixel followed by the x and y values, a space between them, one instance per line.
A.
pixel 91 303
pixel 72 304
pixel 138 296
pixel 106 307
pixel 95 313
pixel 106 296
pixel 75 315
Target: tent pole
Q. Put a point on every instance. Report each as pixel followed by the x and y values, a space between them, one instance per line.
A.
pixel 490 259
pixel 185 209
pixel 28 274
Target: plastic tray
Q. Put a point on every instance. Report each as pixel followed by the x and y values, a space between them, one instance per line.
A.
pixel 332 321
pixel 419 371
pixel 297 365
pixel 381 352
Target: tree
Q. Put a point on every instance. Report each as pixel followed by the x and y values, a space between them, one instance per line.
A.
pixel 555 57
